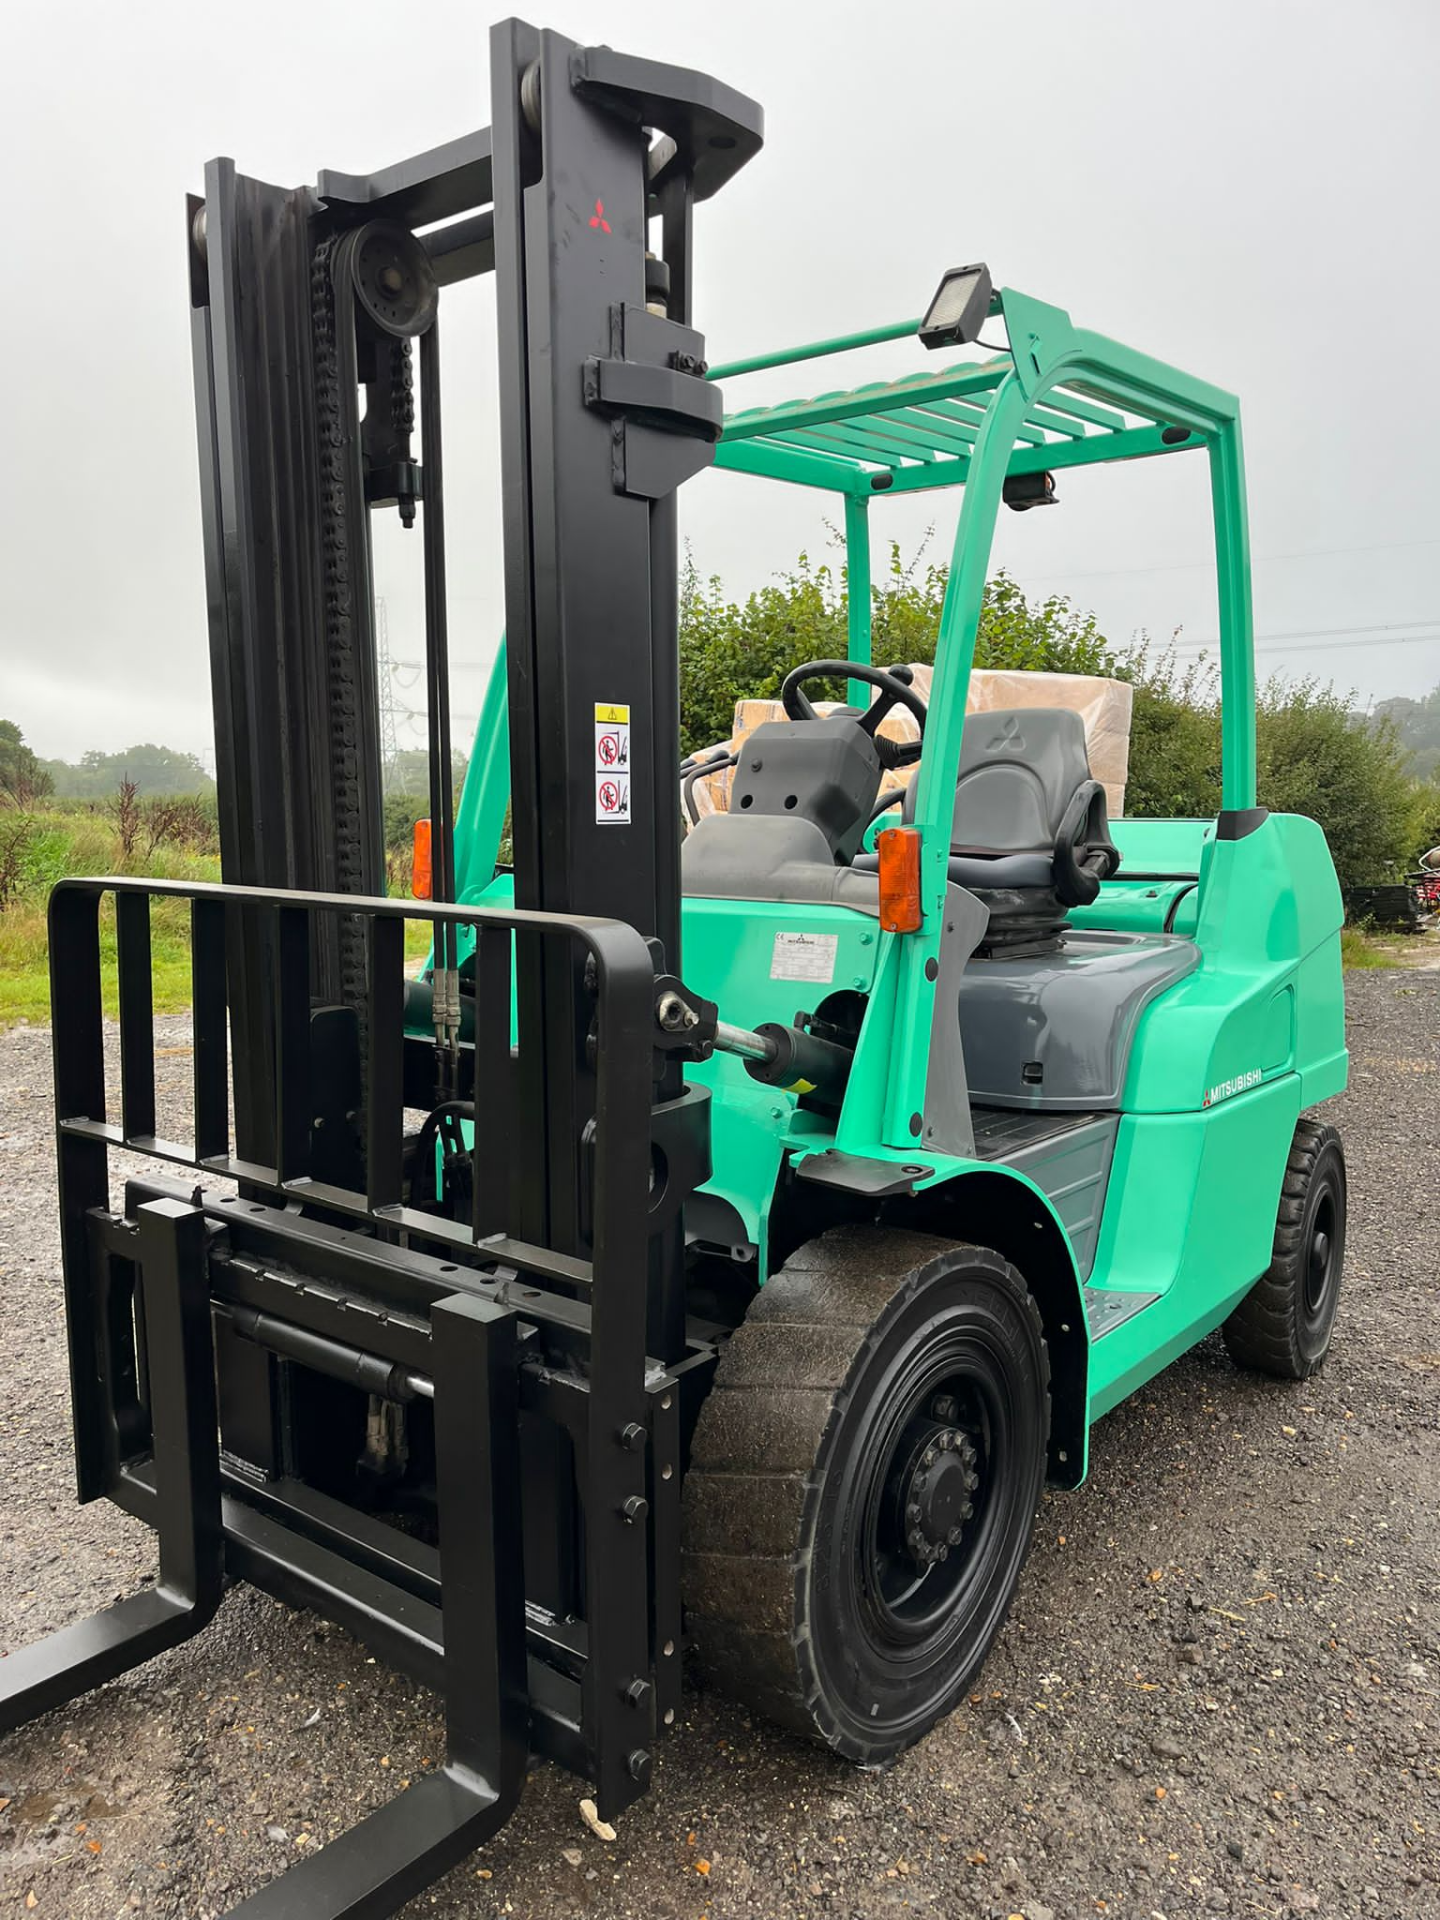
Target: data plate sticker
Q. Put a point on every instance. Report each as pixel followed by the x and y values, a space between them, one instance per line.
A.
pixel 804 956
pixel 612 764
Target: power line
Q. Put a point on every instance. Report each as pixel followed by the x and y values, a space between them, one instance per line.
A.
pixel 1256 559
pixel 456 666
pixel 1330 646
pixel 1325 639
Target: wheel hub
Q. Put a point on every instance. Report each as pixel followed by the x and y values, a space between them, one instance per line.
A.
pixel 1317 1265
pixel 938 1493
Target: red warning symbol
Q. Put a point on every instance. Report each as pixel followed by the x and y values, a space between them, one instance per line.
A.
pixel 608 748
pixel 597 219
pixel 609 796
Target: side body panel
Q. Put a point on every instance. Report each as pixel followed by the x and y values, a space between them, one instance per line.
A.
pixel 1222 1067
pixel 1267 998
pixel 1190 1216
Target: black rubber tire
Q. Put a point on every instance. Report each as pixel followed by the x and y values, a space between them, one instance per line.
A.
pixel 785 1577
pixel 1285 1324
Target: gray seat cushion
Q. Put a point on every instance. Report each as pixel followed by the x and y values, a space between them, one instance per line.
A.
pixel 1005 870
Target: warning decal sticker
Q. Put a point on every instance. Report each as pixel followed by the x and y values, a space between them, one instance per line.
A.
pixel 612 764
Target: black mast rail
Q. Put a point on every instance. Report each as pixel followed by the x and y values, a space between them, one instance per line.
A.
pixel 436 1384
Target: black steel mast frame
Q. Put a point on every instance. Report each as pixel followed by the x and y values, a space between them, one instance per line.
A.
pixel 228 1350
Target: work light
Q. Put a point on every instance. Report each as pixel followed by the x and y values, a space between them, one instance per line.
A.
pixel 958 311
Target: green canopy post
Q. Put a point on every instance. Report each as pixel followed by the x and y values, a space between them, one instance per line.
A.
pixel 857 595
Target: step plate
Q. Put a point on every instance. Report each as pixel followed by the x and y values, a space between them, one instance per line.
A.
pixel 1106 1309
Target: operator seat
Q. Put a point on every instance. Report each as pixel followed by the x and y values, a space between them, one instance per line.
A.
pixel 1047 1015
pixel 1030 837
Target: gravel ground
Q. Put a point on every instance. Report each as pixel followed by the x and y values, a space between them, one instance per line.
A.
pixel 1216 1694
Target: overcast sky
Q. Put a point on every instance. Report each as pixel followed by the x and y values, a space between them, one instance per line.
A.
pixel 1247 188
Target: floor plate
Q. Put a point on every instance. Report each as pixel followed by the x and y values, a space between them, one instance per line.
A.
pixel 1106 1309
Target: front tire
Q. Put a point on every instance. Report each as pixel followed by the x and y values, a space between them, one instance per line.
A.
pixel 863 1486
pixel 1285 1324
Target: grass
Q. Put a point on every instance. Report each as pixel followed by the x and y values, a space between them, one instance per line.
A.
pixel 80 840
pixel 1360 947
pixel 83 841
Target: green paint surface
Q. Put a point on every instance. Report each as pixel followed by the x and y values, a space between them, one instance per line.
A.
pixel 1225 1060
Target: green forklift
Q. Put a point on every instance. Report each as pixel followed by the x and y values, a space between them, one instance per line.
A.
pixel 1008 1101
pixel 722 1243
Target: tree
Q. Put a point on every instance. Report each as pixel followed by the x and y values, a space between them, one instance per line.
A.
pixel 17 832
pixel 155 771
pixel 1417 727
pixel 23 779
pixel 733 650
pixel 409 772
pixel 1315 754
pixel 407 795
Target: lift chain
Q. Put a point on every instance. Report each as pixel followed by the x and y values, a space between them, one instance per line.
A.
pixel 342 680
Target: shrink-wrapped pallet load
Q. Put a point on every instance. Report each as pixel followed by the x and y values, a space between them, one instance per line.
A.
pixel 1103 705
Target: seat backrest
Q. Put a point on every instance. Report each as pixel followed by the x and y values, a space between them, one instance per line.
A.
pixel 1019 772
pixel 1029 837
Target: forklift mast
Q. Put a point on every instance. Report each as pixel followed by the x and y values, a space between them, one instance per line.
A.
pixel 300 299
pixel 334 1381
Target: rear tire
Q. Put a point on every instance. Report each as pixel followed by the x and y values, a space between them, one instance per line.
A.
pixel 1285 1324
pixel 863 1486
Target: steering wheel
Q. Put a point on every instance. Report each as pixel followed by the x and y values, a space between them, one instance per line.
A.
pixel 895 690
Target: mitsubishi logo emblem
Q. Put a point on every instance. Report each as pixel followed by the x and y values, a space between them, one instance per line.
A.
pixel 597 219
pixel 1009 739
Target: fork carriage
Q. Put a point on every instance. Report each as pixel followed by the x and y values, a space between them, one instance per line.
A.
pixel 226 1349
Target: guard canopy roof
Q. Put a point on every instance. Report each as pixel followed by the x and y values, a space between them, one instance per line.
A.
pixel 920 431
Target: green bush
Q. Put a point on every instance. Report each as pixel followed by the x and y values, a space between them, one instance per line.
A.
pixel 407 796
pixel 402 810
pixel 733 650
pixel 1418 724
pixel 1315 754
pixel 1174 738
pixel 1318 757
pixel 1424 818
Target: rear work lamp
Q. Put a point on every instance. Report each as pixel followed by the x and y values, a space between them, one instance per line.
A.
pixel 959 308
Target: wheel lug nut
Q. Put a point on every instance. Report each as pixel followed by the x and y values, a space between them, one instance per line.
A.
pixel 947 1441
pixel 942 1552
pixel 954 1536
pixel 920 1482
pixel 912 1512
pixel 928 1458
